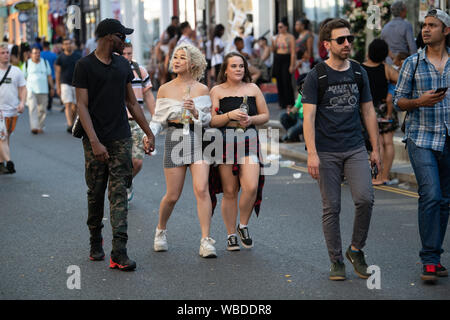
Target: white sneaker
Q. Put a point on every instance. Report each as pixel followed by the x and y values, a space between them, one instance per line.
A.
pixel 207 249
pixel 160 243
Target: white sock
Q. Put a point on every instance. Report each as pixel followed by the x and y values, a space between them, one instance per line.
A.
pixel 234 234
pixel 242 226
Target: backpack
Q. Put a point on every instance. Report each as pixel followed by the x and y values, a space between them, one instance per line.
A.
pixel 322 77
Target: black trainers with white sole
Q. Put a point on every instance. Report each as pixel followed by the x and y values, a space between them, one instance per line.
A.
pixel 232 244
pixel 246 241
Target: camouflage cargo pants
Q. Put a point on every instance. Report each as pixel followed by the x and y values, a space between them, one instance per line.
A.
pixel 116 174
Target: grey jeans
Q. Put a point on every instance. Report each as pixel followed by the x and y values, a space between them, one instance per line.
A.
pixel 354 165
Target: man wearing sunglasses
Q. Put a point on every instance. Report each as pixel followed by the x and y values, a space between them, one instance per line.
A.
pixel 427 135
pixel 335 143
pixel 103 86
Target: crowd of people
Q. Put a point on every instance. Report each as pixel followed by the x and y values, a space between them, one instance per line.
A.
pixel 346 112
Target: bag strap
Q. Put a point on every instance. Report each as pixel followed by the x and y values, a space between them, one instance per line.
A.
pixel 357 72
pixel 6 74
pixel 138 71
pixel 322 77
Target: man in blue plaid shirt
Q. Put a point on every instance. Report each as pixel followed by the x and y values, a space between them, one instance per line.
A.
pixel 427 135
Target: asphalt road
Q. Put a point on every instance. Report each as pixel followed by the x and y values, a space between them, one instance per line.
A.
pixel 43 231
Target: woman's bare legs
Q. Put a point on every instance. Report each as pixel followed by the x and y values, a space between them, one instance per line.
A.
pixel 174 187
pixel 200 176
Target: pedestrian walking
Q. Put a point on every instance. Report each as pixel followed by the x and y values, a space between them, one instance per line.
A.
pixel 103 87
pixel 13 93
pixel 283 46
pixel 398 33
pixel 229 98
pixel 186 34
pixel 181 104
pixel 51 58
pixel 303 47
pixel 64 67
pixel 218 48
pixel 142 87
pixel 427 126
pixel 24 54
pixel 334 94
pixel 39 84
pixel 380 75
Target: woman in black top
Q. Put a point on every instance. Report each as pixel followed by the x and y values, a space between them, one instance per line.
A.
pixel 244 169
pixel 380 74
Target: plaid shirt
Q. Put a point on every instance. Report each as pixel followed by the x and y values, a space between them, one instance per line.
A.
pixel 427 127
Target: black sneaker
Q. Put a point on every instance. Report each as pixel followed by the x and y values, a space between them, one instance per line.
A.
pixel 429 273
pixel 337 271
pixel 246 241
pixel 10 167
pixel 97 253
pixel 232 244
pixel 441 271
pixel 119 260
pixel 3 169
pixel 358 262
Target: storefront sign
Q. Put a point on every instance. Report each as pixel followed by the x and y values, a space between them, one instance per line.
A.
pixel 24 5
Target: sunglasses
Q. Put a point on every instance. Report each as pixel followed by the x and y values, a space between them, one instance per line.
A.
pixel 121 36
pixel 341 40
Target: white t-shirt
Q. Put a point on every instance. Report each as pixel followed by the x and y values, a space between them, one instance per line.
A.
pixel 217 58
pixel 36 75
pixel 9 91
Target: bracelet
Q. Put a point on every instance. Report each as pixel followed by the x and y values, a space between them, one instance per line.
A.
pixel 228 116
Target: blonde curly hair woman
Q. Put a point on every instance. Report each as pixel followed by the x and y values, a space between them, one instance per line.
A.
pixel 184 92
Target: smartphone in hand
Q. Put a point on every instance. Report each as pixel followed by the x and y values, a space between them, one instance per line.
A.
pixel 441 90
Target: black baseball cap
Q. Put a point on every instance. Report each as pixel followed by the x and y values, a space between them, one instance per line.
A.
pixel 110 26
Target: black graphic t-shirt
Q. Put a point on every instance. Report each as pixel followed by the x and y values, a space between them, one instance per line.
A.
pixel 338 122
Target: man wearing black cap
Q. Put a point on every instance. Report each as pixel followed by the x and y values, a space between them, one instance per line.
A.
pixel 103 85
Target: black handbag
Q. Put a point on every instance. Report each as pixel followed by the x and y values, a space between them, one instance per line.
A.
pixel 77 129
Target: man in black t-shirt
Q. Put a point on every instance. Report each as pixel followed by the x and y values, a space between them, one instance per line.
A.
pixel 333 135
pixel 103 86
pixel 64 67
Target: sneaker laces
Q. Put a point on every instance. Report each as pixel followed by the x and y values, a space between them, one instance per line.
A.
pixel 208 242
pixel 245 233
pixel 160 234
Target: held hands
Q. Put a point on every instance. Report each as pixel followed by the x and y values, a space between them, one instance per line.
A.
pixel 149 143
pixel 429 98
